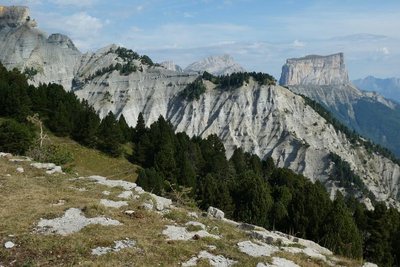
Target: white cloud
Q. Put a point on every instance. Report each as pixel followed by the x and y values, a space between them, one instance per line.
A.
pixel 84 29
pixel 384 50
pixel 298 44
pixel 139 8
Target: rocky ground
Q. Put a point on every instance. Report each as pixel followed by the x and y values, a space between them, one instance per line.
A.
pixel 52 218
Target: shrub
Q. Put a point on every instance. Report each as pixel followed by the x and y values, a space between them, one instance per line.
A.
pixel 15 137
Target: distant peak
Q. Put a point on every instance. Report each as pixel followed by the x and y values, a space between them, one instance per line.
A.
pixel 62 40
pixel 216 65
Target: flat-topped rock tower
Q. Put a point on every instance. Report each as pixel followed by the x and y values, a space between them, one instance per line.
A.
pixel 315 70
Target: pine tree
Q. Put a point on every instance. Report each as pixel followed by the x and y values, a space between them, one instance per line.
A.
pixel 110 136
pixel 125 129
pixel 341 233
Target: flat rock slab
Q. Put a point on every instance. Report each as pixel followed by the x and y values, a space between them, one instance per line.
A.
pixel 113 204
pixel 256 250
pixel 180 233
pixel 214 260
pixel 126 195
pixel 279 262
pixel 161 203
pixel 112 183
pixel 118 246
pixel 50 168
pixel 311 252
pixel 72 221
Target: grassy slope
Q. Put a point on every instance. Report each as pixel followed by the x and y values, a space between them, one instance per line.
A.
pixel 27 197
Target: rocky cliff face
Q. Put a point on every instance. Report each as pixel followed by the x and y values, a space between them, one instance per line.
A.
pixel 216 65
pixel 325 80
pixel 315 70
pixel 54 58
pixel 170 65
pixel 267 121
pixel 15 16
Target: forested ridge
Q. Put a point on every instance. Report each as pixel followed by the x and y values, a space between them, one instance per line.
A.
pixel 247 188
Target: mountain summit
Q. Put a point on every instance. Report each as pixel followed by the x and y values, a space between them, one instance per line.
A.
pixel 315 70
pixel 15 16
pixel 216 65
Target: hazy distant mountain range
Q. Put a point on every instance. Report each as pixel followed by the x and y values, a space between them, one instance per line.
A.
pixel 388 87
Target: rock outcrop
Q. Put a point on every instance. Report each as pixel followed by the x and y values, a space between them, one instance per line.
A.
pixel 315 70
pixel 170 65
pixel 216 65
pixel 48 59
pixel 15 16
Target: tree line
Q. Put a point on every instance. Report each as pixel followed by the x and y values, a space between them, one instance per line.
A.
pixel 61 112
pixel 256 191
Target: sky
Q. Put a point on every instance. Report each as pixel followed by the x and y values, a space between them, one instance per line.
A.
pixel 259 34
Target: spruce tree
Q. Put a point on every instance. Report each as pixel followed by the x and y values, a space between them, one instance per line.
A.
pixel 110 136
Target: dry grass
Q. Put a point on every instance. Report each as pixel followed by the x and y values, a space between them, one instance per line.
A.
pixel 27 197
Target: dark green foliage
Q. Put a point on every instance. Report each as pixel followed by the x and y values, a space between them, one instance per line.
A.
pixel 194 90
pixel 151 181
pixel 146 60
pixel 61 112
pixel 30 73
pixel 245 187
pixel 127 132
pixel 340 231
pixel 126 54
pixel 110 136
pixel 235 80
pixel 345 176
pixel 15 137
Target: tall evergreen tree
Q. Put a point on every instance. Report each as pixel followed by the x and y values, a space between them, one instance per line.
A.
pixel 110 136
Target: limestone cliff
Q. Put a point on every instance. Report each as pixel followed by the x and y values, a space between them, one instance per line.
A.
pixel 53 59
pixel 325 80
pixel 315 70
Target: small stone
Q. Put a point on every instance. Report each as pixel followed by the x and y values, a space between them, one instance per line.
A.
pixel 20 169
pixel 193 215
pixel 247 227
pixel 126 195
pixel 106 193
pixel 60 202
pixel 147 206
pixel 129 212
pixel 9 245
pixel 215 213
